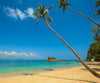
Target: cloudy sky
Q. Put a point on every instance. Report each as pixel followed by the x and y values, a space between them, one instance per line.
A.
pixel 21 39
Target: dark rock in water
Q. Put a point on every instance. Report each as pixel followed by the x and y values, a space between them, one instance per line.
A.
pixel 77 61
pixel 66 63
pixel 48 69
pixel 27 73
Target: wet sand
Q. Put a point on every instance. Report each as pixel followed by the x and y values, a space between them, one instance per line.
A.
pixel 63 75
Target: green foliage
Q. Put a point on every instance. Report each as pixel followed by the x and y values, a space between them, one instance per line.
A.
pixel 89 57
pixel 96 32
pixel 41 12
pixel 94 49
pixel 51 58
pixel 49 19
pixel 97 57
pixel 97 4
pixel 64 4
pixel 97 12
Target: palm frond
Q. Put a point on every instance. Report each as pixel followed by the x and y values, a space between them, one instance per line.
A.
pixel 68 4
pixel 43 7
pixel 49 19
pixel 97 4
pixel 61 0
pixel 59 6
pixel 35 13
pixel 58 2
pixel 46 12
pixel 37 9
pixel 97 13
pixel 66 0
pixel 38 16
pixel 37 21
pixel 63 3
pixel 50 7
pixel 41 12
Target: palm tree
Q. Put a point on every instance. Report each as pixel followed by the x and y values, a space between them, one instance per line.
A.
pixel 97 4
pixel 64 4
pixel 41 12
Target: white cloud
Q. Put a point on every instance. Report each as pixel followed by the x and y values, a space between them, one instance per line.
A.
pixel 1 52
pixel 32 54
pixel 30 11
pixel 10 12
pixel 17 13
pixel 13 53
pixel 21 14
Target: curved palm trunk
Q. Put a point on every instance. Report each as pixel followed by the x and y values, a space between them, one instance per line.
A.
pixel 88 68
pixel 84 17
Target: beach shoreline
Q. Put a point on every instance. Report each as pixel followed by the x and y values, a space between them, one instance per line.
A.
pixel 62 75
pixel 34 72
pixel 23 67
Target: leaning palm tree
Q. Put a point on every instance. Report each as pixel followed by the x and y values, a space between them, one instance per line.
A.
pixel 41 12
pixel 65 4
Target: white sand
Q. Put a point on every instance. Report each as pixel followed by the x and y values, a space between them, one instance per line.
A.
pixel 66 75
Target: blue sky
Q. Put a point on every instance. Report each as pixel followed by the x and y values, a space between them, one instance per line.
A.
pixel 21 39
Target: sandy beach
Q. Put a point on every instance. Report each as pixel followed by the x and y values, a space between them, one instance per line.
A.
pixel 65 75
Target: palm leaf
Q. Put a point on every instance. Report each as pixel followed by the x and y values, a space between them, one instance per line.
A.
pixel 43 7
pixel 46 12
pixel 64 4
pixel 97 13
pixel 50 7
pixel 68 4
pixel 35 13
pixel 59 6
pixel 38 16
pixel 37 21
pixel 59 2
pixel 41 12
pixel 37 9
pixel 97 4
pixel 66 0
pixel 49 19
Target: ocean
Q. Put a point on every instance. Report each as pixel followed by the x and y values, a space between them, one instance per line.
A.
pixel 16 66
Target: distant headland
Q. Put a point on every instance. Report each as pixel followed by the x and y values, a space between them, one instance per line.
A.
pixel 52 59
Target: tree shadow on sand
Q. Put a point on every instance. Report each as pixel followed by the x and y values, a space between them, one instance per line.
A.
pixel 62 78
pixel 95 69
pixel 33 73
pixel 96 64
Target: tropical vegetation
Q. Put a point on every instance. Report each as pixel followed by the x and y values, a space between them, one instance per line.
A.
pixel 51 58
pixel 41 12
pixel 94 49
pixel 97 4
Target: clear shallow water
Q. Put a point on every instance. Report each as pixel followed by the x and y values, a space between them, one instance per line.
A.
pixel 14 66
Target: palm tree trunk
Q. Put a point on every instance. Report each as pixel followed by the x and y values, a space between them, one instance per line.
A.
pixel 84 17
pixel 87 67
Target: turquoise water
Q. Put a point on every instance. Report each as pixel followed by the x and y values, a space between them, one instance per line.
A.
pixel 14 66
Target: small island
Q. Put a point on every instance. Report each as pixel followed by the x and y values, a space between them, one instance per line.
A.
pixel 52 59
